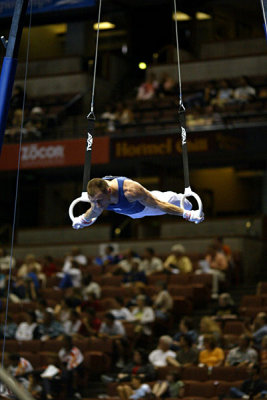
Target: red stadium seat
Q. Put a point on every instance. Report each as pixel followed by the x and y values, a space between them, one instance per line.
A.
pixel 234 327
pixel 251 301
pixel 33 346
pixel 200 389
pixel 228 374
pixel 195 374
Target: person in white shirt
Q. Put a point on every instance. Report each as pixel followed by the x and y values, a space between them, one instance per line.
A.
pixel 5 261
pixel 163 301
pixel 121 312
pixel 27 330
pixel 244 92
pixel 159 357
pixel 143 316
pixel 90 288
pixel 112 329
pixel 72 360
pixel 71 274
pixel 18 366
pixel 73 324
pixel 150 264
pixel 129 259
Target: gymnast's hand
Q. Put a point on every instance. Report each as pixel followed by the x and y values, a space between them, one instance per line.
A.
pixel 81 222
pixel 193 216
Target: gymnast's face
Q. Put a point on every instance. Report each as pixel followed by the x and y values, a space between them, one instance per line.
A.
pixel 100 199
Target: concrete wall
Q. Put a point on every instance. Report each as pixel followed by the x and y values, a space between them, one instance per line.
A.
pixel 216 69
pixel 234 48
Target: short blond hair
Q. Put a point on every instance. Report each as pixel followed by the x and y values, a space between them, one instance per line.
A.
pixel 96 185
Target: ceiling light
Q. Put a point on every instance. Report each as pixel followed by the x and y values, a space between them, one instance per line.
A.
pixel 202 16
pixel 142 65
pixel 180 16
pixel 104 26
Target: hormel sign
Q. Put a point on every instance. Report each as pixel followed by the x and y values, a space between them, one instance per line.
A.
pixel 53 154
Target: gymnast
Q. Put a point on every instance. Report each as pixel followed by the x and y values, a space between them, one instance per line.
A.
pixel 125 196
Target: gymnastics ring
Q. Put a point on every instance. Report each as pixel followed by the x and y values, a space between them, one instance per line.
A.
pixel 83 198
pixel 188 192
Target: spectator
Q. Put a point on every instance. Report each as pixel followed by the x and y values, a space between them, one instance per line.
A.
pixel 28 330
pixel 109 117
pixel 19 366
pixel 16 101
pixel 49 266
pixel 208 326
pixel 134 276
pixel 146 90
pixel 259 328
pixel 127 263
pixel 14 127
pixel 90 324
pixel 31 265
pixel 90 287
pixel 62 312
pixel 72 360
pixel 163 302
pixel 121 312
pixel 252 388
pixel 9 330
pixel 263 351
pixel 112 329
pixel 160 356
pixel 216 264
pixel 19 290
pixel 33 282
pixel 73 298
pixel 75 255
pixel 31 384
pixel 40 309
pixel 150 264
pixel 50 328
pixel 211 356
pixel 187 355
pixel 136 391
pixel 71 275
pixel 210 92
pixel 139 289
pixel 243 355
pixel 124 114
pixel 73 325
pixel 226 306
pixel 177 262
pixel 244 92
pixel 186 327
pixel 172 387
pixel 167 86
pixel 137 366
pixel 142 316
pixel 224 95
pixel 108 259
pixel 5 261
pixel 36 123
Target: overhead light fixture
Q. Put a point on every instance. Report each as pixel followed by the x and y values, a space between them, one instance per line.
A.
pixel 142 65
pixel 181 16
pixel 103 26
pixel 201 16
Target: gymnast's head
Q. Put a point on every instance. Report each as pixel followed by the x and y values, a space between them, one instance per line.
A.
pixel 99 192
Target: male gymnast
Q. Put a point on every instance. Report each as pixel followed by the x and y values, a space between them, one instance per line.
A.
pixel 125 196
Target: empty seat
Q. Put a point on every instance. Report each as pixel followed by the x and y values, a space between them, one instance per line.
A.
pixel 195 374
pixel 153 279
pixel 33 346
pixel 53 294
pixel 251 301
pixel 52 345
pixel 11 346
pixel 200 389
pixel 182 306
pixel 180 279
pixel 178 290
pixel 34 358
pixel 229 374
pixel 234 327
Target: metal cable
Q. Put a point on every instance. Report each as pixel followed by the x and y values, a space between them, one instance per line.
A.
pixel 91 114
pixel 17 185
pixel 178 58
pixel 264 18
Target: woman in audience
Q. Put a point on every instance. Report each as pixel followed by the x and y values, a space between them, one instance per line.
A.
pixel 177 261
pixel 208 326
pixel 226 307
pixel 142 317
pixel 137 390
pixel 31 264
pixel 211 356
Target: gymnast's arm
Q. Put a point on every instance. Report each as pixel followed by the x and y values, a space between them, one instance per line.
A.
pixel 88 218
pixel 136 192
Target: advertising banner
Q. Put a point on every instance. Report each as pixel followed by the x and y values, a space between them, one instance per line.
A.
pixel 58 153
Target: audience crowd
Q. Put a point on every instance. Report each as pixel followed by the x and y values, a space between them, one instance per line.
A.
pixel 128 302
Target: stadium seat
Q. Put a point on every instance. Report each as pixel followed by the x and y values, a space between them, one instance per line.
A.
pixel 200 389
pixel 52 345
pixel 251 301
pixel 30 345
pixel 195 374
pixel 228 374
pixel 35 359
pixel 234 327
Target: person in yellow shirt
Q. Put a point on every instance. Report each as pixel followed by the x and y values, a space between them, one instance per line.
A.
pixel 177 261
pixel 211 356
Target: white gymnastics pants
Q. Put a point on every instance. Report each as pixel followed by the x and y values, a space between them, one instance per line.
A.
pixel 168 197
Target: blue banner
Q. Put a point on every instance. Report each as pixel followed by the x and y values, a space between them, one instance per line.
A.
pixel 44 6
